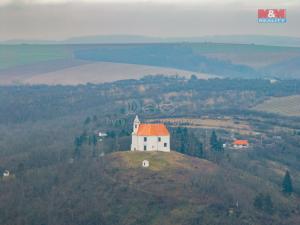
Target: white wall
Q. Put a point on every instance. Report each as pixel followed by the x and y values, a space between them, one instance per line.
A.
pixel 152 143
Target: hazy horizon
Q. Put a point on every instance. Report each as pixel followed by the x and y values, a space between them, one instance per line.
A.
pixel 63 19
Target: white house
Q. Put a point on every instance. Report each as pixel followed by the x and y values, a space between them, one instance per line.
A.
pixel 6 173
pixel 150 137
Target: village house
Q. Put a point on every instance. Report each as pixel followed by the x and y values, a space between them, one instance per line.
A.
pixel 150 137
pixel 6 173
pixel 238 144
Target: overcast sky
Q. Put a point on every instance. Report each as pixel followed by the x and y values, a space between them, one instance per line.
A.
pixel 60 19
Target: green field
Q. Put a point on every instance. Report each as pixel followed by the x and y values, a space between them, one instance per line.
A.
pixel 224 60
pixel 287 106
pixel 16 55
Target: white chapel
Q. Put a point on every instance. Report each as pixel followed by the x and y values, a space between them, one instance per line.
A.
pixel 150 137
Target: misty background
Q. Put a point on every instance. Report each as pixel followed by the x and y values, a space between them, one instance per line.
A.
pixel 63 19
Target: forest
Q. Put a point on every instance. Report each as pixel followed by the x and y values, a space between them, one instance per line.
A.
pixel 49 142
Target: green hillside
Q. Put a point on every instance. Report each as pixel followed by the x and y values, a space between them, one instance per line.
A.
pixel 17 55
pixel 228 60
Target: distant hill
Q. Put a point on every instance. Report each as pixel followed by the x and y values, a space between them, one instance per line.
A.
pixel 131 39
pixel 82 72
pixel 113 39
pixel 250 39
pixel 288 68
pixel 21 62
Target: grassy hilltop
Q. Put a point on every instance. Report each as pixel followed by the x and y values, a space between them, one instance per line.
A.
pixel 116 189
pixel 190 190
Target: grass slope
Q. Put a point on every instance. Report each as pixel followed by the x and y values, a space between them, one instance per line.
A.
pixel 191 190
pixel 17 55
pixel 287 106
pixel 101 72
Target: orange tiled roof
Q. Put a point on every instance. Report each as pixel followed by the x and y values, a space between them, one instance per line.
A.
pixel 241 142
pixel 152 130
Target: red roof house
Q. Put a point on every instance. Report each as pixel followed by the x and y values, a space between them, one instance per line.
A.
pixel 240 144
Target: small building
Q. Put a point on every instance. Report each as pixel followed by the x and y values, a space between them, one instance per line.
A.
pixel 6 173
pixel 150 137
pixel 238 144
pixel 145 163
pixel 100 134
pixel 273 81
